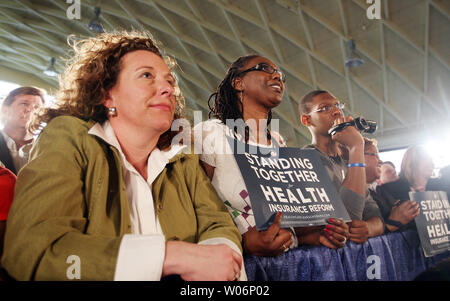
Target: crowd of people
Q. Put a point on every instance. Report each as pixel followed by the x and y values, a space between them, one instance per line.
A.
pixel 105 181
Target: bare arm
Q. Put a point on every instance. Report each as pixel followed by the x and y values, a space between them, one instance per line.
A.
pixel 360 230
pixel 355 179
pixel 375 226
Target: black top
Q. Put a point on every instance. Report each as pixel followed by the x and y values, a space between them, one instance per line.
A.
pixel 5 156
pixel 387 194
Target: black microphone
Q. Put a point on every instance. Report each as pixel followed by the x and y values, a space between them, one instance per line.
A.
pixel 361 124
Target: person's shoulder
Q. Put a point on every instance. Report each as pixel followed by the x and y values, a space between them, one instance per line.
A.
pixel 69 122
pixel 66 129
pixel 308 146
pixel 398 188
pixel 6 173
pixel 188 162
pixel 212 128
pixel 210 123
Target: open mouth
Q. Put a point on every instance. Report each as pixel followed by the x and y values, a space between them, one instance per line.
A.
pixel 276 87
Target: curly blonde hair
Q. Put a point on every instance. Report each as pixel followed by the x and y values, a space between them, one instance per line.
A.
pixel 93 70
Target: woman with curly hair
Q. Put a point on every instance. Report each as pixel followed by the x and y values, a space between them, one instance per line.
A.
pixel 106 195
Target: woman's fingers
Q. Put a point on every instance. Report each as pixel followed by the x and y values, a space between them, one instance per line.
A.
pixel 274 229
pixel 336 238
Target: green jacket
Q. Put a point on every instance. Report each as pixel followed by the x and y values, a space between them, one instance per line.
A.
pixel 70 199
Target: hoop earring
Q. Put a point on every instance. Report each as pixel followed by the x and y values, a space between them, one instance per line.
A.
pixel 112 112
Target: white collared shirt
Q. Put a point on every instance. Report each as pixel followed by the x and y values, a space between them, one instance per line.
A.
pixel 20 156
pixel 141 254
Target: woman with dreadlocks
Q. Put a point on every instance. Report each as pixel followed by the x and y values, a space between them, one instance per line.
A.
pixel 252 87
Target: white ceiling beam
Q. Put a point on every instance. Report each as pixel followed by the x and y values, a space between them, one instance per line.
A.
pixel 436 5
pixel 28 58
pixel 343 18
pixel 276 28
pixel 307 32
pixel 383 63
pixel 267 29
pixel 344 56
pixel 32 8
pixel 366 52
pixel 378 100
pixel 386 9
pixel 247 41
pixel 24 66
pixel 181 42
pixel 9 73
pixel 235 31
pixel 24 23
pixel 205 35
pixel 24 38
pixel 130 13
pixel 384 68
pixel 402 34
pixel 59 15
pixel 305 27
pixel 347 76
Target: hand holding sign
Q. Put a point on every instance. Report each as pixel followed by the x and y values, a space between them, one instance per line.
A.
pixel 405 212
pixel 359 231
pixel 333 236
pixel 433 221
pixel 271 242
pixel 336 233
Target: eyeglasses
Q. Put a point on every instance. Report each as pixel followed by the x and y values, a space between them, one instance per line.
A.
pixel 329 108
pixel 373 154
pixel 266 68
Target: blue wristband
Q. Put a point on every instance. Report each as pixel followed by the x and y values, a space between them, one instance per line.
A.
pixel 356 165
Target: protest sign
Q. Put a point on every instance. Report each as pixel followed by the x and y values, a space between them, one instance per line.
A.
pixel 288 180
pixel 433 222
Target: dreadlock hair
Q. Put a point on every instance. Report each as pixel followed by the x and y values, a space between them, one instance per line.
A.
pixel 226 102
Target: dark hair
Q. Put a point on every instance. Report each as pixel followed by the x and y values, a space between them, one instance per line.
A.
pixel 389 162
pixel 11 97
pixel 369 142
pixel 226 103
pixel 303 107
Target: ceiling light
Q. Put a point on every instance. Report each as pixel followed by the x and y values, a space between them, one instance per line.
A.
pixel 51 71
pixel 353 60
pixel 95 25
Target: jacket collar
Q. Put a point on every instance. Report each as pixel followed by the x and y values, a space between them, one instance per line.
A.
pixel 157 160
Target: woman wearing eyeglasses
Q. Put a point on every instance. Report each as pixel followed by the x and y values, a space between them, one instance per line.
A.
pixel 252 87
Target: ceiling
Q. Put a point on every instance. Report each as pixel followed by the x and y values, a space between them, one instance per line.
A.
pixel 404 83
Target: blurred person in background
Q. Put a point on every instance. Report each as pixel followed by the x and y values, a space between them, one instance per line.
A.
pixel 415 175
pixel 387 173
pixel 393 216
pixel 15 138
